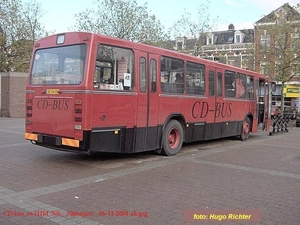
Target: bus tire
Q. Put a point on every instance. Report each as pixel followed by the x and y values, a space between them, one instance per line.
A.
pixel 172 138
pixel 245 132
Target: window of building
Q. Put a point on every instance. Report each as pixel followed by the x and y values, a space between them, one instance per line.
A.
pixel 238 38
pixel 230 59
pixel 230 40
pixel 265 42
pixel 295 43
pixel 264 69
pixel 210 39
pixel 179 45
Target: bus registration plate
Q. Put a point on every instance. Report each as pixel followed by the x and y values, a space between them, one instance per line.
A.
pixel 52 91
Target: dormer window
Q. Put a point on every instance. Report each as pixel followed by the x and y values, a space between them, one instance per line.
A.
pixel 179 45
pixel 238 38
pixel 230 39
pixel 209 39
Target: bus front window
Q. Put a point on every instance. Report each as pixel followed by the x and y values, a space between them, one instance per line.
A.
pixel 59 66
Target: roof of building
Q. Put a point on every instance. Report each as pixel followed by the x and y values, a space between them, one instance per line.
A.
pixel 220 37
pixel 227 37
pixel 292 14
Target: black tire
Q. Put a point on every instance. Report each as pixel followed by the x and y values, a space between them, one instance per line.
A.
pixel 172 138
pixel 245 132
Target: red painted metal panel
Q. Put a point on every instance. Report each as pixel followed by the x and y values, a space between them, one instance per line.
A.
pixel 53 116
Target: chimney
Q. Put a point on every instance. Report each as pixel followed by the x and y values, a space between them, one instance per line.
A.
pixel 231 27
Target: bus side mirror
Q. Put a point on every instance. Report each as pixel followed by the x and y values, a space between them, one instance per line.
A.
pixel 273 86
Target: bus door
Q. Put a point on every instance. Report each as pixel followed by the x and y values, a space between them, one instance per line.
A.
pixel 214 120
pixel 263 98
pixel 147 113
pixel 211 101
pixel 220 107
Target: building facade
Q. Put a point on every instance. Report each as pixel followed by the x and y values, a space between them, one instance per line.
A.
pixel 277 53
pixel 233 47
pixel 256 49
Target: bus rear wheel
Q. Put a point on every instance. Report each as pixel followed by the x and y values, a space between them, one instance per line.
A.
pixel 245 129
pixel 172 138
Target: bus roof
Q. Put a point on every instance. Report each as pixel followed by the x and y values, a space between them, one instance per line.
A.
pixel 80 37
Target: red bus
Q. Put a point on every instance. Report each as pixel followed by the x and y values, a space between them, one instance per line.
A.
pixel 94 93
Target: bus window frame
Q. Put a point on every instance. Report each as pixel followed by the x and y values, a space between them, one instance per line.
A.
pixel 168 74
pixel 250 86
pixel 59 70
pixel 197 84
pixel 219 84
pixel 117 83
pixel 153 75
pixel 242 78
pixel 230 87
pixel 143 74
pixel 211 83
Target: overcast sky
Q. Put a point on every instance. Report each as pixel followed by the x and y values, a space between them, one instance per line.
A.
pixel 59 14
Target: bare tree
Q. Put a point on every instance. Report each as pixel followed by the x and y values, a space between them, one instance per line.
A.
pixel 123 19
pixel 279 45
pixel 186 26
pixel 20 28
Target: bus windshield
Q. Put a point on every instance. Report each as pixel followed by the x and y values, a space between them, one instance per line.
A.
pixel 59 66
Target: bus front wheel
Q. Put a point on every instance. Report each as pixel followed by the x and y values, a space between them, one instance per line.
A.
pixel 172 138
pixel 245 129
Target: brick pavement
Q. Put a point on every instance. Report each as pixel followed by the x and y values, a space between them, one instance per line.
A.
pixel 43 186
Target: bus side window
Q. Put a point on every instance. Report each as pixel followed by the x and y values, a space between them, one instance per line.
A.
pixel 153 71
pixel 241 86
pixel 250 87
pixel 211 83
pixel 97 77
pixel 169 68
pixel 195 78
pixel 219 84
pixel 118 70
pixel 142 74
pixel 229 84
pixel 103 75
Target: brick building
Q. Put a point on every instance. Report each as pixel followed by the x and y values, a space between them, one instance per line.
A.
pixel 12 94
pixel 277 53
pixel 248 48
pixel 12 84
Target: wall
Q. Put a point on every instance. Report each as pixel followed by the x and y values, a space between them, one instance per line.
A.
pixel 0 94
pixel 12 94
